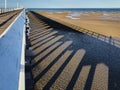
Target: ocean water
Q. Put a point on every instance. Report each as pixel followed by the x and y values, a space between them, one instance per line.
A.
pixel 75 13
pixel 76 9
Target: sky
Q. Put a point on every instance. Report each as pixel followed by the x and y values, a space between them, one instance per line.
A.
pixel 63 3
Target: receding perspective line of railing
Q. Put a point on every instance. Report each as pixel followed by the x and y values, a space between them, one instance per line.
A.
pixel 3 10
pixel 108 39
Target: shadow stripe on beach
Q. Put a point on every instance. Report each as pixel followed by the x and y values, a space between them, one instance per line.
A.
pixel 100 63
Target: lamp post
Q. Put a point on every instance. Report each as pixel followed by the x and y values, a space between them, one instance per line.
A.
pixel 5 5
pixel 17 5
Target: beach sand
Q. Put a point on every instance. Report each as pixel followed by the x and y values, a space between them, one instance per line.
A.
pixel 106 23
pixel 68 60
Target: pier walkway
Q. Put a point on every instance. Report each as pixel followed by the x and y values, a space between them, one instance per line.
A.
pixel 55 55
pixel 12 48
pixel 65 59
pixel 7 18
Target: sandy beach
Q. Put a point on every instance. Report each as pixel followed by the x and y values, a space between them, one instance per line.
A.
pixel 106 23
pixel 68 60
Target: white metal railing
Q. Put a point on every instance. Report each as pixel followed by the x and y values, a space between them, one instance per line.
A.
pixel 3 10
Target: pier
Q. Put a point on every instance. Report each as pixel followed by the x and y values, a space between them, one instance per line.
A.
pixel 12 48
pixel 40 53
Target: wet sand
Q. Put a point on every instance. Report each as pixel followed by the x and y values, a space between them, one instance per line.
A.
pixel 69 60
pixel 104 23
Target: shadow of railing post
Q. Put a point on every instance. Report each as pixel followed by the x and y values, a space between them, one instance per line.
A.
pixel 83 30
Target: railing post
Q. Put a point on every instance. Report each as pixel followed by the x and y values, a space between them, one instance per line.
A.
pixel 0 10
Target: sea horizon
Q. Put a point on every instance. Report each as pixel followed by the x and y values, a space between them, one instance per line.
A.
pixel 78 9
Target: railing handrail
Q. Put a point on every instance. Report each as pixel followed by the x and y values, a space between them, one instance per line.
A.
pixel 3 10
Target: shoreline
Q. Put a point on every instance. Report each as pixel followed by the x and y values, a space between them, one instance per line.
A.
pixel 91 21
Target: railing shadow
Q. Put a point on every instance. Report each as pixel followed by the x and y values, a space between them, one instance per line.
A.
pixel 86 31
pixel 39 35
pixel 75 61
pixel 40 31
pixel 44 37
